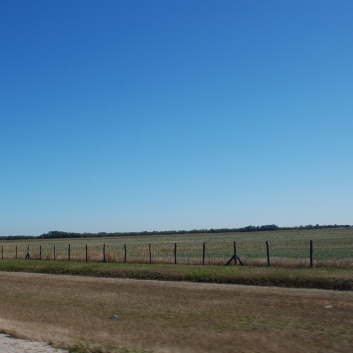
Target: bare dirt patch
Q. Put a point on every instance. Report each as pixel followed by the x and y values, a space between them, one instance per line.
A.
pixel 9 344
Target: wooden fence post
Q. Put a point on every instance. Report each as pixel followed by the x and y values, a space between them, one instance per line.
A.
pixel 235 252
pixel 175 253
pixel 311 254
pixel 125 253
pixel 69 252
pixel 150 251
pixel 28 256
pixel 203 253
pixel 86 253
pixel 104 258
pixel 268 254
pixel 2 252
pixel 40 252
pixel 16 252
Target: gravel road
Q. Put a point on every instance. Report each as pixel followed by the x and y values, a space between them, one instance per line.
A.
pixel 9 344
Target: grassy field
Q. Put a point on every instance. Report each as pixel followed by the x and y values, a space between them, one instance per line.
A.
pixel 332 247
pixel 173 314
pixel 157 316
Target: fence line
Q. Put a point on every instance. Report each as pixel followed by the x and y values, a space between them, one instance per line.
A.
pixel 176 255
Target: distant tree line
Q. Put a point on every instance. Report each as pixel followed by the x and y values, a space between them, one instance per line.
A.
pixel 54 234
pixel 18 237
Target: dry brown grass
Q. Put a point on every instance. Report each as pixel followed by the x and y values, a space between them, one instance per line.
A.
pixel 175 317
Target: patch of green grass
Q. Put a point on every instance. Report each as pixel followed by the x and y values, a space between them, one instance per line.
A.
pixel 321 277
pixel 84 346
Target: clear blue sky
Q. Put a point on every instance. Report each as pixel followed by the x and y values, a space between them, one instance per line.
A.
pixel 158 115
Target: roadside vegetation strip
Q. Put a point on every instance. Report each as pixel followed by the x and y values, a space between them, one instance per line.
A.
pixel 320 278
pixel 158 316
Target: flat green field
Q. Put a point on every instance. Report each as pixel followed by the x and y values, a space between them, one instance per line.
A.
pixel 332 247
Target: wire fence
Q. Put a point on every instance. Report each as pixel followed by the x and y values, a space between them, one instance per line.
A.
pixel 336 252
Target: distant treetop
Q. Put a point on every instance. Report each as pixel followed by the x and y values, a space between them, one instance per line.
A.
pixel 269 227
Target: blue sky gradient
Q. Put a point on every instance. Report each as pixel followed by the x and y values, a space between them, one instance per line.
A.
pixel 159 115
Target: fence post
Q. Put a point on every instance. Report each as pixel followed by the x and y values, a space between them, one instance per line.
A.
pixel 69 252
pixel 203 253
pixel 54 253
pixel 86 253
pixel 16 252
pixel 311 254
pixel 125 253
pixel 104 258
pixel 40 252
pixel 235 252
pixel 268 254
pixel 150 251
pixel 28 256
pixel 2 252
pixel 175 253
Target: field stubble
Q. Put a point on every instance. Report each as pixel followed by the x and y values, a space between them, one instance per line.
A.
pixel 174 317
